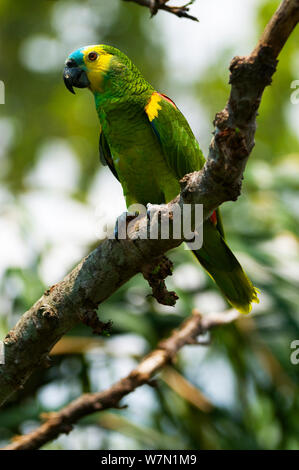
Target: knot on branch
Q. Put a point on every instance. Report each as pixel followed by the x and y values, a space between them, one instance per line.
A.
pixel 11 338
pixel 231 143
pixel 228 154
pixel 254 71
pixel 189 185
pixel 155 274
pixel 46 312
pixel 221 120
pixel 249 77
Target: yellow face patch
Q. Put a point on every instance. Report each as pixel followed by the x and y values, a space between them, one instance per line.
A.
pixel 97 62
pixel 152 108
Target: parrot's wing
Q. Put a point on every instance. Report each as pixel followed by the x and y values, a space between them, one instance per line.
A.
pixel 105 154
pixel 183 155
pixel 180 147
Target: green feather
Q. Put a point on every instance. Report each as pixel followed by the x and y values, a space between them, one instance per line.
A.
pixel 222 265
pixel 180 148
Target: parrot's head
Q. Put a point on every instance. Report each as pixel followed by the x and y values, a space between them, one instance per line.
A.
pixel 100 68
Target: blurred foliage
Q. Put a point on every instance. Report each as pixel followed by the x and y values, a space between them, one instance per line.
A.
pixel 245 374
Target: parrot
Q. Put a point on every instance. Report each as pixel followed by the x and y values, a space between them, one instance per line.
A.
pixel 149 146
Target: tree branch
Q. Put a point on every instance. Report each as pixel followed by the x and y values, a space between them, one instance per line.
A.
pixel 63 421
pixel 156 5
pixel 114 262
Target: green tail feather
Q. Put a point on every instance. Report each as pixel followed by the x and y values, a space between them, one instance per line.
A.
pixel 221 264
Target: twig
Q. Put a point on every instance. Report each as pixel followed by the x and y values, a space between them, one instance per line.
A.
pixel 155 274
pixel 155 5
pixel 114 262
pixel 63 420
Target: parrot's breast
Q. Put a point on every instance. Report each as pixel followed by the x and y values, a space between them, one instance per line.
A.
pixel 138 158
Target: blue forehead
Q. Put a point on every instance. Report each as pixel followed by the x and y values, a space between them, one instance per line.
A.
pixel 77 55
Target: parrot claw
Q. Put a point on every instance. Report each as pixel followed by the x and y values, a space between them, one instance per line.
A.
pixel 120 229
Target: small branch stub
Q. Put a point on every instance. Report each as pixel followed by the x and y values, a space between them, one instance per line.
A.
pixel 156 274
pixel 155 5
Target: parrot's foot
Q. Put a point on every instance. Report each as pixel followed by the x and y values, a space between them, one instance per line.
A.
pixel 122 222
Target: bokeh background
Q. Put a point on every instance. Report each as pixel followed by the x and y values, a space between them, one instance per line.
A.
pixel 240 392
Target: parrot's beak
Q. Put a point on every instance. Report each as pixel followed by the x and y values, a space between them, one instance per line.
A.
pixel 74 76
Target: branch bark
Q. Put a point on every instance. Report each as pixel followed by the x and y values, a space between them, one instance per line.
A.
pixel 156 5
pixel 63 421
pixel 114 262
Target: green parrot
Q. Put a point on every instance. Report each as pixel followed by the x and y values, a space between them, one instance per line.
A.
pixel 149 146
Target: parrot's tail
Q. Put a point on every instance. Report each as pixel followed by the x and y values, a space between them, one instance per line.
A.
pixel 222 265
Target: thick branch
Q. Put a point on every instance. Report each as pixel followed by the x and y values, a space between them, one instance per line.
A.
pixel 62 421
pixel 156 5
pixel 115 262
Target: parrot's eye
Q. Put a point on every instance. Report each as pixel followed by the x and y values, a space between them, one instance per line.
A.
pixel 92 56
